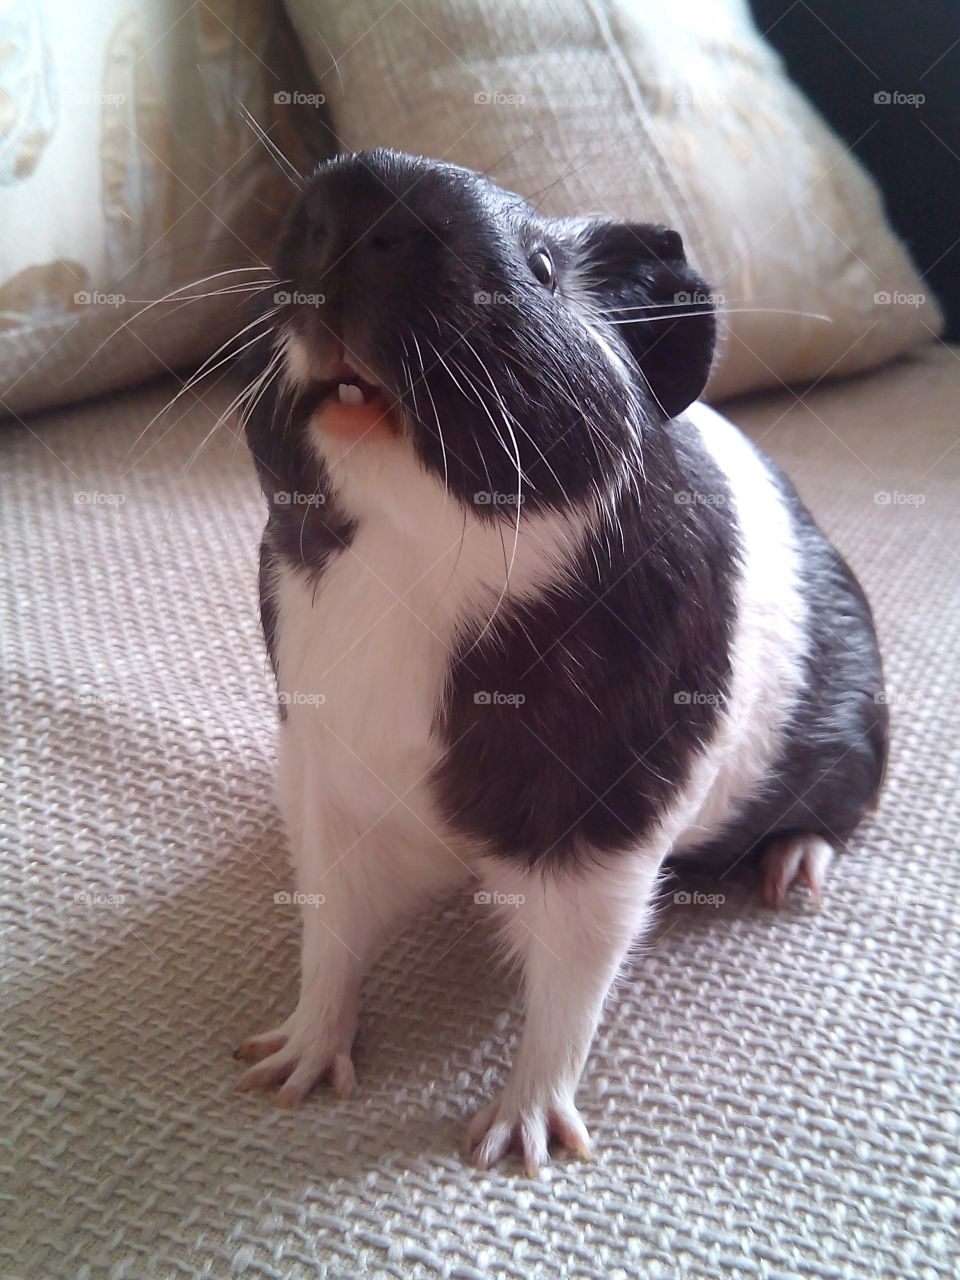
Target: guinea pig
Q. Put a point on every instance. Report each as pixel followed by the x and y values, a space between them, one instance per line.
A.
pixel 540 620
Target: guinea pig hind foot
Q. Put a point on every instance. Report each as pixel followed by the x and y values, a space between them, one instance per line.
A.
pixel 799 856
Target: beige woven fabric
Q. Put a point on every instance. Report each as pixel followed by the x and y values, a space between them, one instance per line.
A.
pixel 771 1095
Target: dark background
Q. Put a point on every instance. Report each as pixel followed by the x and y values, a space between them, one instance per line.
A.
pixel 842 52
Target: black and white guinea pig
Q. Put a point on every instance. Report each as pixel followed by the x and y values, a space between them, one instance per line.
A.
pixel 539 620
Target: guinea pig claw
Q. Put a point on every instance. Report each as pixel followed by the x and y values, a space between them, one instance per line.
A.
pixel 803 857
pixel 527 1130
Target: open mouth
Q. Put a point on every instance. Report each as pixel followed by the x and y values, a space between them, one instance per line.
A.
pixel 348 405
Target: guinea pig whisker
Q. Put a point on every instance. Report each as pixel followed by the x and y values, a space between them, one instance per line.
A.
pixel 408 379
pixel 243 286
pixel 436 416
pixel 257 384
pixel 671 308
pixel 475 399
pixel 479 397
pixel 553 375
pixel 481 402
pixel 206 368
pixel 286 166
pixel 508 568
pixel 508 418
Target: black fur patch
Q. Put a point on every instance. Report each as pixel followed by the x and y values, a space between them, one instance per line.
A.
pixel 574 721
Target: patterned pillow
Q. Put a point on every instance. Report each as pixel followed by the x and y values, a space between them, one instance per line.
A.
pixel 128 171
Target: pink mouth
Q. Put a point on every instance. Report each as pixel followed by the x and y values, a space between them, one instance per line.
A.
pixel 350 407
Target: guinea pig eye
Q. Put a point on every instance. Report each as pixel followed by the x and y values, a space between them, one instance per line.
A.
pixel 541 264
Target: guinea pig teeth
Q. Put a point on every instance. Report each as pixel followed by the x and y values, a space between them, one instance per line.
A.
pixel 347 393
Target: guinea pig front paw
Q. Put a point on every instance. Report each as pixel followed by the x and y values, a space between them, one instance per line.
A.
pixel 297 1055
pixel 527 1128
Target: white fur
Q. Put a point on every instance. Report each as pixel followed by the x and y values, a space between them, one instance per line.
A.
pixel 769 640
pixel 362 658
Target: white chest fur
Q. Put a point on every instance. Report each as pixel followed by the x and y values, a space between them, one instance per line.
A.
pixel 363 654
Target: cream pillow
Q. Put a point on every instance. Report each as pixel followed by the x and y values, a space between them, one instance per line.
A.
pixel 127 171
pixel 662 112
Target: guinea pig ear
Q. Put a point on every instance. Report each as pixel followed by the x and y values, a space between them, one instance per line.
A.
pixel 639 279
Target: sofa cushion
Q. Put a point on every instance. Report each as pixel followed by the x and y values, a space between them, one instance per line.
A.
pixel 128 173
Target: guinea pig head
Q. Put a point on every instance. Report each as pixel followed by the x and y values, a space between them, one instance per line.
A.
pixel 422 305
